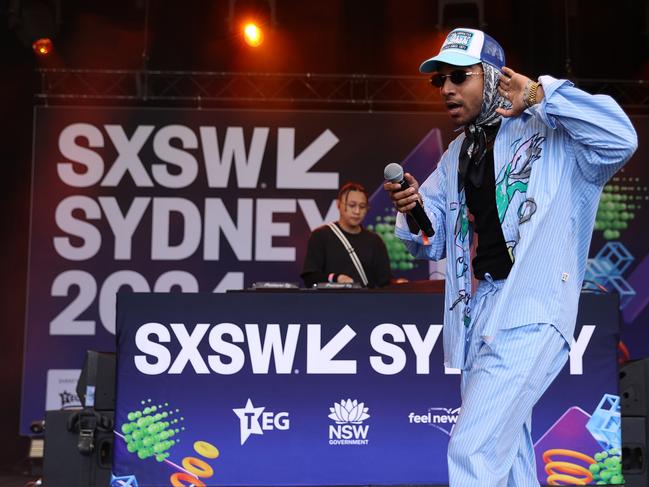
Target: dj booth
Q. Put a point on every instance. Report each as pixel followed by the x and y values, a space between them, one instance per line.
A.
pixel 326 388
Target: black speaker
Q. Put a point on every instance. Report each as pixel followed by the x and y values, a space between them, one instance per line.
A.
pixel 634 402
pixel 96 386
pixel 78 448
pixel 634 388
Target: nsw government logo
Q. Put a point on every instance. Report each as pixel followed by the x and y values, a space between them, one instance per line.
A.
pixel 349 428
pixel 442 419
pixel 254 421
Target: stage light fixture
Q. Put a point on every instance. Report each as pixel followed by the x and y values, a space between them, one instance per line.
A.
pixel 253 34
pixel 43 46
pixel 35 23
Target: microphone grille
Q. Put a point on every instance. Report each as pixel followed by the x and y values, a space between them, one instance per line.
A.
pixel 393 172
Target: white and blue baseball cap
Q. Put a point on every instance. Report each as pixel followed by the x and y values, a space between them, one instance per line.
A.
pixel 465 47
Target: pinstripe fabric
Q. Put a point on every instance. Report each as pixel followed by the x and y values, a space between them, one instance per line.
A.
pixel 504 376
pixel 551 163
pixel 512 338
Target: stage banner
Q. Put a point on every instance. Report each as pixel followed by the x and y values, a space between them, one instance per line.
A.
pixel 187 200
pixel 330 388
pixel 191 200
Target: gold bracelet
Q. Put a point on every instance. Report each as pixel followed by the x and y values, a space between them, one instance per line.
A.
pixel 531 90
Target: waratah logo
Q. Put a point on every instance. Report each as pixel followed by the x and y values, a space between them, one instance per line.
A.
pixel 349 428
pixel 348 411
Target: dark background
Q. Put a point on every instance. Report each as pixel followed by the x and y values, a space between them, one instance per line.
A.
pixel 565 38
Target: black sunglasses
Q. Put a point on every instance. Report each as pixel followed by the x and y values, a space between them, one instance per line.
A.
pixel 457 77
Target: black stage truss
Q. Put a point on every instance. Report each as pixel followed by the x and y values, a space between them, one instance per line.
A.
pixel 213 88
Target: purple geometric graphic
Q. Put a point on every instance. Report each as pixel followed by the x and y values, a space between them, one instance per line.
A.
pixel 567 433
pixel 420 162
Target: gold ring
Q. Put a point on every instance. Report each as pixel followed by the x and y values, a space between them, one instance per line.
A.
pixel 197 467
pixel 205 449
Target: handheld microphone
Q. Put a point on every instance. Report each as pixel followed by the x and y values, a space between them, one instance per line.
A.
pixel 393 172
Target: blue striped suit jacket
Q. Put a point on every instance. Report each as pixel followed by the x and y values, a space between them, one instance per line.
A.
pixel 551 163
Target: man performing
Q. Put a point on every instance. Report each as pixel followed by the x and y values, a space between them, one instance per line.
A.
pixel 529 167
pixel 329 259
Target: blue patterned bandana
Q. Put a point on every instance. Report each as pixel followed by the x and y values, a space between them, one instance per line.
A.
pixel 481 132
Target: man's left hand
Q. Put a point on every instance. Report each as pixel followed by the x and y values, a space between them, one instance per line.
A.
pixel 512 88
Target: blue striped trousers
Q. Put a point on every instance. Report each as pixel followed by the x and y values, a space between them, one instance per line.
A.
pixel 503 378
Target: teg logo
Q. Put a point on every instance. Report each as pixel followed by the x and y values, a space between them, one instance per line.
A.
pixel 254 421
pixel 349 428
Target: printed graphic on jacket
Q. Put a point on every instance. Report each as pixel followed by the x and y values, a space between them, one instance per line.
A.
pixel 515 177
pixel 461 236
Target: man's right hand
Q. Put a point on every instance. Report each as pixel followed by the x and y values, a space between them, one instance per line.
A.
pixel 405 200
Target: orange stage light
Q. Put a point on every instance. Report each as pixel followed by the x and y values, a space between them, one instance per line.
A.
pixel 43 46
pixel 252 34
